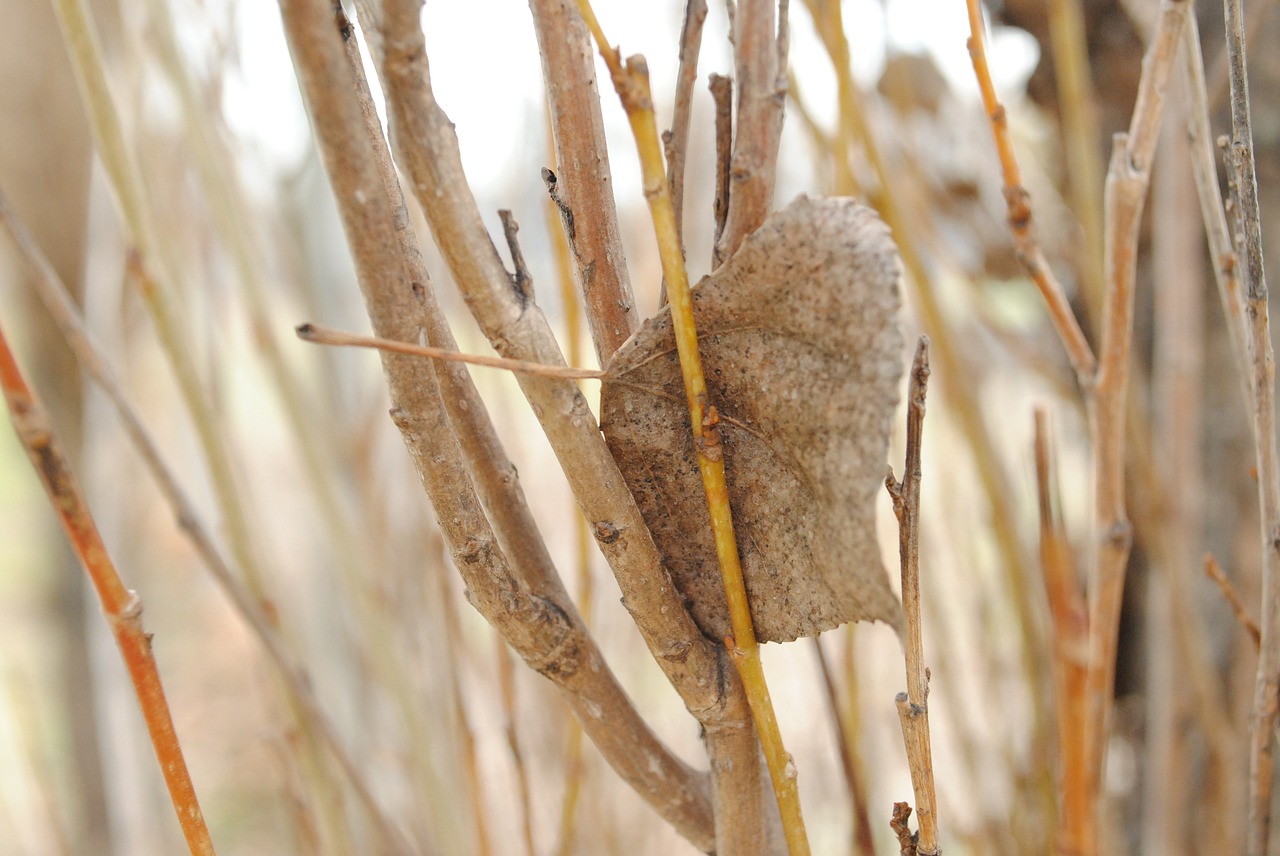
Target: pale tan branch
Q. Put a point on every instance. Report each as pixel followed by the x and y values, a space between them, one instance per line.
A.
pixel 584 185
pixel 1214 572
pixel 760 64
pixel 913 705
pixel 1128 178
pixel 320 335
pixel 545 630
pixel 676 141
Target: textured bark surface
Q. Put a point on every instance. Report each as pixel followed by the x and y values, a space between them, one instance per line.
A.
pixel 800 342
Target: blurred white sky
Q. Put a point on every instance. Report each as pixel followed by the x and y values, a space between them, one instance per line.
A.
pixel 487 76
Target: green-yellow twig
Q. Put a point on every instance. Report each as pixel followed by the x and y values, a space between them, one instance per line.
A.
pixel 632 83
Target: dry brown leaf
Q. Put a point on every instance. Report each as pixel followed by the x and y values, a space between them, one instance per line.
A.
pixel 802 353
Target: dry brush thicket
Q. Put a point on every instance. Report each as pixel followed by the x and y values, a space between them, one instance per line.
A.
pixel 582 614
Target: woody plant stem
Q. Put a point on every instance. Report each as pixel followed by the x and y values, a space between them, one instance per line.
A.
pixel 122 607
pixel 632 84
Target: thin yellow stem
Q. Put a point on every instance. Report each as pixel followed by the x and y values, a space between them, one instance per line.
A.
pixel 632 84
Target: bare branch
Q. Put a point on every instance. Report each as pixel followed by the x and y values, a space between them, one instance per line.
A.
pixel 722 93
pixel 760 63
pixel 536 619
pixel 677 139
pixel 584 182
pixel 913 705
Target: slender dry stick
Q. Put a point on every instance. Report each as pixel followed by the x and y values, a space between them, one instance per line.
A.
pixel 574 764
pixel 954 373
pixel 584 188
pixel 321 335
pixel 534 614
pixel 57 300
pixel 1214 571
pixel 722 94
pixel 1266 699
pixel 1127 180
pixel 1021 222
pixel 122 170
pixel 913 705
pixel 510 716
pixel 1071 655
pixel 1080 136
pixel 677 139
pixel 1128 177
pixel 1204 170
pixel 462 729
pixel 1176 378
pixel 632 83
pixel 121 607
pixel 846 739
pixel 760 60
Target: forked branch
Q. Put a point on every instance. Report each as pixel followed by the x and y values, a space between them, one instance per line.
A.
pixel 913 705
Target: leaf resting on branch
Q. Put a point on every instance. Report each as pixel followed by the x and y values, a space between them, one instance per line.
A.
pixel 803 355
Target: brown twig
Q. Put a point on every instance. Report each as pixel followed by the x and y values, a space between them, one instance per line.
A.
pixel 722 94
pixel 1080 141
pixel 1071 655
pixel 510 727
pixel 585 186
pixel 1127 180
pixel 1214 572
pixel 760 47
pixel 319 334
pixel 1021 221
pixel 1205 172
pixel 121 607
pixel 1128 177
pixel 536 619
pixel 913 705
pixel 900 823
pixel 56 298
pixel 676 141
pixel 854 777
pixel 1266 699
pixel 954 370
pixel 632 84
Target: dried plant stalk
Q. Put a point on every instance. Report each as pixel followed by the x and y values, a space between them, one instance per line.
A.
pixel 1071 656
pixel 541 624
pixel 583 184
pixel 1262 372
pixel 913 705
pixel 760 43
pixel 121 607
pixel 57 300
pixel 1021 221
pixel 1128 177
pixel 632 83
pixel 676 141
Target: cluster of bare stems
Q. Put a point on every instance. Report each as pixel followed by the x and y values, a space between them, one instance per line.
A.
pixel 1086 638
pixel 483 513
